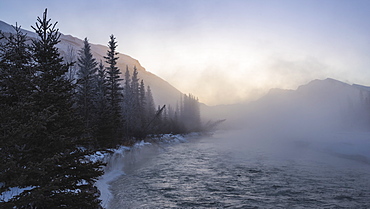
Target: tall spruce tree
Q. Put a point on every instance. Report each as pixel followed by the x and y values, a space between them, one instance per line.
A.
pixel 101 89
pixel 150 106
pixel 142 106
pixel 127 105
pixel 114 91
pixel 150 109
pixel 86 82
pixel 127 87
pixel 49 162
pixel 135 101
pixel 16 107
pixel 102 130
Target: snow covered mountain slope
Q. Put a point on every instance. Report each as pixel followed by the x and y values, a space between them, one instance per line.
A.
pixel 163 92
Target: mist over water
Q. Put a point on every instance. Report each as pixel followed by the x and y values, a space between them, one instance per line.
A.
pixel 245 169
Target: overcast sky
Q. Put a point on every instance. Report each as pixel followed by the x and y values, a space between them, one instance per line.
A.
pixel 222 51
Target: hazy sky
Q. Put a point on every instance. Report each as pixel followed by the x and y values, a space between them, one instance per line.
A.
pixel 222 51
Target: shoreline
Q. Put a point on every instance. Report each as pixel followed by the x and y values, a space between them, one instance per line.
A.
pixel 115 160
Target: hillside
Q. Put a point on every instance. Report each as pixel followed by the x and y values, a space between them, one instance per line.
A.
pixel 319 105
pixel 163 92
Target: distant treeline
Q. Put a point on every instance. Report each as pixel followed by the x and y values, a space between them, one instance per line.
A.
pixel 119 109
pixel 50 119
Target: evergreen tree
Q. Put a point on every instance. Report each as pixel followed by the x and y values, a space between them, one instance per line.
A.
pixel 127 105
pixel 135 100
pixel 103 128
pixel 142 106
pixel 16 67
pixel 16 88
pixel 86 82
pixel 127 83
pixel 150 109
pixel 114 90
pixel 150 106
pixel 101 80
pixel 100 89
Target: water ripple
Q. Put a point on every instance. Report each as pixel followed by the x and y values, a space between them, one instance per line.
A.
pixel 204 174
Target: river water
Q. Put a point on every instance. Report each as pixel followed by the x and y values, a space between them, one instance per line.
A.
pixel 240 170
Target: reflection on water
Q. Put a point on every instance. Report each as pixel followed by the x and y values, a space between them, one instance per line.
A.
pixel 239 171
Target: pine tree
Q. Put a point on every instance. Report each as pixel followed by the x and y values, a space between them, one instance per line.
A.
pixel 178 126
pixel 142 106
pixel 135 100
pixel 114 91
pixel 102 130
pixel 101 80
pixel 150 102
pixel 127 83
pixel 114 88
pixel 150 108
pixel 100 89
pixel 86 82
pixel 48 159
pixel 127 104
pixel 16 68
pixel 16 89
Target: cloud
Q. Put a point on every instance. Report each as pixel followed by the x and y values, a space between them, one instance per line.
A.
pixel 226 84
pixel 289 74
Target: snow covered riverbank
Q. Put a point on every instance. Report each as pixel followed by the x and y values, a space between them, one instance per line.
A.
pixel 116 158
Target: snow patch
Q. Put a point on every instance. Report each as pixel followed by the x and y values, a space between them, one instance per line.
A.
pixel 171 138
pixel 14 191
pixel 141 144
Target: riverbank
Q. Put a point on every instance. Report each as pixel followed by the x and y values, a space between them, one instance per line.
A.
pixel 114 158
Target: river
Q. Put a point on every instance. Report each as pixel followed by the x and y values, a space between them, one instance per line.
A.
pixel 241 170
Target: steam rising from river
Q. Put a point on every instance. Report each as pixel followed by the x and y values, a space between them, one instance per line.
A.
pixel 325 115
pixel 244 169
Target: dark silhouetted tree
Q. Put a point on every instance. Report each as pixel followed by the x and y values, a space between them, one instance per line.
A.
pixel 114 91
pixel 103 129
pixel 135 101
pixel 128 105
pixel 86 86
pixel 143 115
pixel 16 107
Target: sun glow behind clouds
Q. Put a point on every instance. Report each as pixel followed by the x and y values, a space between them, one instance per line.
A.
pixel 237 51
pixel 222 51
pixel 223 68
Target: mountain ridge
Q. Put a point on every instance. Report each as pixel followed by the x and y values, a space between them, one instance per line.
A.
pixel 341 104
pixel 163 92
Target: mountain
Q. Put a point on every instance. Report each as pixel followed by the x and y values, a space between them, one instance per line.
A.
pixel 163 92
pixel 319 105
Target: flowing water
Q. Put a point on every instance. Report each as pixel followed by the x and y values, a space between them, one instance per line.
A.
pixel 240 171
